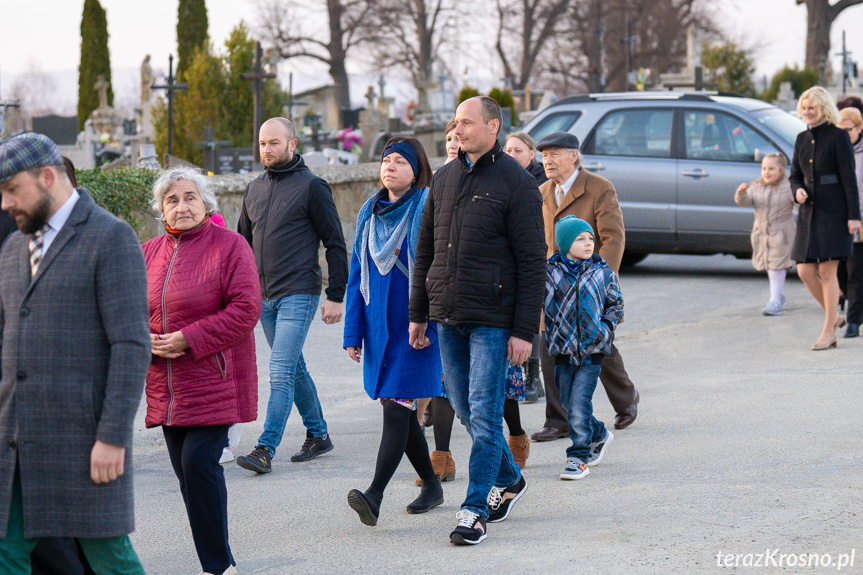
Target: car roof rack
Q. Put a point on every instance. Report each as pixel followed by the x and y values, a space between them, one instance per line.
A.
pixel 650 95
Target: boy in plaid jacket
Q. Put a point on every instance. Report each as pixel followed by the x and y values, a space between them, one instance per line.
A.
pixel 583 305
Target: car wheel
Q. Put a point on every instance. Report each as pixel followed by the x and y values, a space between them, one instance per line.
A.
pixel 630 259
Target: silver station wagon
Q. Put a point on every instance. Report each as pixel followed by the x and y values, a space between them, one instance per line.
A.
pixel 675 159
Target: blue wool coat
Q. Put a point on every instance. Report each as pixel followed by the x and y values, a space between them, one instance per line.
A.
pixel 391 367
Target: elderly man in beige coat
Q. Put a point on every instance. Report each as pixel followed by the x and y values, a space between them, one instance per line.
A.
pixel 572 190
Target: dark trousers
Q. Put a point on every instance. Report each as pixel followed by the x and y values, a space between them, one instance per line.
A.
pixel 59 556
pixel 195 453
pixel 851 282
pixel 619 388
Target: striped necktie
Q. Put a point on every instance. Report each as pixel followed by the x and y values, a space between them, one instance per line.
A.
pixel 36 243
pixel 559 194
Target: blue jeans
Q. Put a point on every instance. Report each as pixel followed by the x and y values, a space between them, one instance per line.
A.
pixel 577 384
pixel 474 367
pixel 286 323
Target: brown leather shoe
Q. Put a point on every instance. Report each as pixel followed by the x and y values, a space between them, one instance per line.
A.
pixel 625 418
pixel 548 434
pixel 520 447
pixel 444 466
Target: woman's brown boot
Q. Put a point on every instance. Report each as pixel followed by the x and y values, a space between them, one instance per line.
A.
pixel 444 466
pixel 520 447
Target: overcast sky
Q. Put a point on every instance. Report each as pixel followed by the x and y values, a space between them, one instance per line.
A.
pixel 45 33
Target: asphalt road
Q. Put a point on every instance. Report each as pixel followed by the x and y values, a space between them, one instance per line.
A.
pixel 746 443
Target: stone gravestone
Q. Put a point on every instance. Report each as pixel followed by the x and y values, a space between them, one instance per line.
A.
pixel 234 161
pixel 786 99
pixel 369 122
pixel 105 119
pixel 63 130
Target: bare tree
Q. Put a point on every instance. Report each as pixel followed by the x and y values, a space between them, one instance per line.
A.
pixel 35 91
pixel 593 51
pixel 289 26
pixel 409 34
pixel 525 28
pixel 820 15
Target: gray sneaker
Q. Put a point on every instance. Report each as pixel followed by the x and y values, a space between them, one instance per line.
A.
pixel 575 469
pixel 597 450
pixel 772 308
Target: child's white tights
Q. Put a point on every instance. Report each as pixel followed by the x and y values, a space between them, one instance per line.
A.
pixel 777 284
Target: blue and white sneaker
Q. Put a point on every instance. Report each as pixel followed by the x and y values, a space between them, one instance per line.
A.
pixel 597 450
pixel 575 469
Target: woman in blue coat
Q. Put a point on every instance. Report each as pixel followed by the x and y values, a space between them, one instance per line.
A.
pixel 376 321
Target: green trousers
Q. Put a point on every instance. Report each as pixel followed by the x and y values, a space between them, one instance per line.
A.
pixel 106 556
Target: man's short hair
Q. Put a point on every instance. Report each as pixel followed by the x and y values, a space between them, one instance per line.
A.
pixel 491 111
pixel 287 125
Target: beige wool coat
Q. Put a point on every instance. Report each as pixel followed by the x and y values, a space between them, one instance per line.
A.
pixel 774 228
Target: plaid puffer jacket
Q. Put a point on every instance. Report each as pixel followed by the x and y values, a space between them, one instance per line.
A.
pixel 582 308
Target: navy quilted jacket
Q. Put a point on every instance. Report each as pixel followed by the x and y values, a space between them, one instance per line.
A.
pixel 481 249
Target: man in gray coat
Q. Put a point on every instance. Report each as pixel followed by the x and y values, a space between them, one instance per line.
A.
pixel 75 350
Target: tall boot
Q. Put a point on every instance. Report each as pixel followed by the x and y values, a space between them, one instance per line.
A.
pixel 532 384
pixel 444 466
pixel 431 495
pixel 520 447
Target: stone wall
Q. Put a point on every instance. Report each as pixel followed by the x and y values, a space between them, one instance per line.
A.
pixel 351 185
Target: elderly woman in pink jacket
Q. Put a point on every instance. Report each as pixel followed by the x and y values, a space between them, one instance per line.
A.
pixel 205 300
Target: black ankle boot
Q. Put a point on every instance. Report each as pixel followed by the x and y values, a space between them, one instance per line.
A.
pixel 532 385
pixel 431 495
pixel 367 506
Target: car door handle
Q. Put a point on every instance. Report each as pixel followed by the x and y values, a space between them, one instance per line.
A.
pixel 595 167
pixel 699 173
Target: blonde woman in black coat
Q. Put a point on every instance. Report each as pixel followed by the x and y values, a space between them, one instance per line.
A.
pixel 825 186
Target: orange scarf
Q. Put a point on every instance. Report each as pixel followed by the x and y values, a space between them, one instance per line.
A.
pixel 174 232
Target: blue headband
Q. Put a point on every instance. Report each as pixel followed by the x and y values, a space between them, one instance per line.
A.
pixel 406 151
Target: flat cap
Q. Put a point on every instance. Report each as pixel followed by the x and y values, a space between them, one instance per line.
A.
pixel 558 140
pixel 25 152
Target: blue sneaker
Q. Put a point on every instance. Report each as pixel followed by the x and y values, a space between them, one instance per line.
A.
pixel 772 308
pixel 597 450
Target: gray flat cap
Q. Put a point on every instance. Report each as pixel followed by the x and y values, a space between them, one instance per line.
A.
pixel 558 140
pixel 27 151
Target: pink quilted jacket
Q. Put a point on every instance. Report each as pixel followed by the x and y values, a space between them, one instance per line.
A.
pixel 204 283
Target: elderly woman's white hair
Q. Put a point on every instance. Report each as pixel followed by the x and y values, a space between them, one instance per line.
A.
pixel 180 174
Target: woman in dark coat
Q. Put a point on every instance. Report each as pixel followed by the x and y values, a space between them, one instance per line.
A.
pixel 825 186
pixel 376 323
pixel 521 146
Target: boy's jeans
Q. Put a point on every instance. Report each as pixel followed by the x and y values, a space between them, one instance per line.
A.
pixel 286 323
pixel 474 367
pixel 577 384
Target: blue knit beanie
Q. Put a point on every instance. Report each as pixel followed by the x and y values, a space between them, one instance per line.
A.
pixel 406 151
pixel 567 229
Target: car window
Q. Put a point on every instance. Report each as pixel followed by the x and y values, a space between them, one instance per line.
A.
pixel 716 136
pixel 644 133
pixel 557 122
pixel 780 121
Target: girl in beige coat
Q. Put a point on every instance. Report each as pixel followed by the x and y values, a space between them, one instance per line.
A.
pixel 774 228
